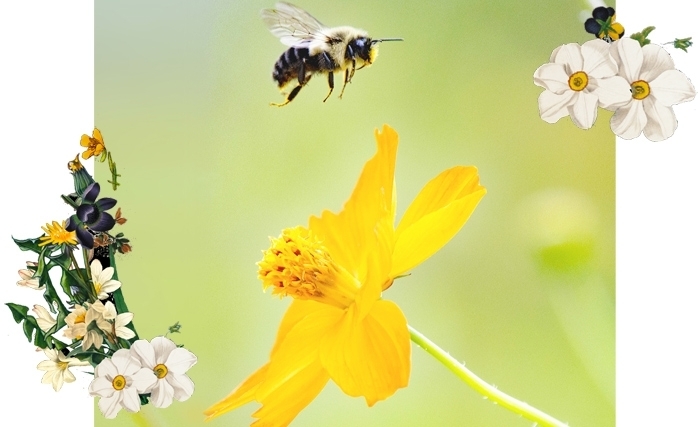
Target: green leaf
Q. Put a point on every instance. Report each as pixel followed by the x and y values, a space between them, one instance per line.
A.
pixel 29 325
pixel 29 245
pixel 19 312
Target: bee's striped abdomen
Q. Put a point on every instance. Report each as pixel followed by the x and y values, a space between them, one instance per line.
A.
pixel 288 66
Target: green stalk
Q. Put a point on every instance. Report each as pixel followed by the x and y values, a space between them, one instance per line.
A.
pixel 481 386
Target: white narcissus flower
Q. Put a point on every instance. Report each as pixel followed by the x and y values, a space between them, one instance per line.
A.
pixel 655 86
pixel 43 318
pixel 56 368
pixel 119 381
pixel 76 328
pixel 577 80
pixel 169 363
pixel 102 280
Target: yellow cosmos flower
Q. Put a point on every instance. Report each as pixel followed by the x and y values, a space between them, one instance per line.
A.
pixel 338 327
pixel 56 234
pixel 95 145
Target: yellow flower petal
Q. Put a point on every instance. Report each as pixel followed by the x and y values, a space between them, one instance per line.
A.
pixel 350 235
pixel 293 395
pixel 243 394
pixel 435 216
pixel 369 357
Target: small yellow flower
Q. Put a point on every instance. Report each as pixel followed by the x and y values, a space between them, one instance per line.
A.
pixel 94 145
pixel 338 327
pixel 56 234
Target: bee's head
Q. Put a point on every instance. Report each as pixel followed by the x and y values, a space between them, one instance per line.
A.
pixel 363 48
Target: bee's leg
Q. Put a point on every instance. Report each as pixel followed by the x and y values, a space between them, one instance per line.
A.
pixel 330 85
pixel 352 73
pixel 346 80
pixel 301 78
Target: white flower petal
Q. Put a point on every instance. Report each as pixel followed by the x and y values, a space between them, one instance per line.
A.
pixel 162 394
pixel 672 87
pixel 143 380
pixel 628 55
pixel 656 61
pixel 553 107
pixel 612 92
pixel 596 59
pixel 105 275
pixel 130 399
pixel 569 55
pixel 110 406
pixel 106 368
pixel 661 122
pixel 180 361
pixel 629 120
pixel 102 387
pixel 111 285
pixel 68 376
pixel 183 386
pixel 162 346
pixel 143 351
pixel 126 365
pixel 552 77
pixel 95 270
pixel 584 110
pixel 554 53
pixel 110 312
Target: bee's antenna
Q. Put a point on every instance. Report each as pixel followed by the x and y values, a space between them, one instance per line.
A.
pixel 387 40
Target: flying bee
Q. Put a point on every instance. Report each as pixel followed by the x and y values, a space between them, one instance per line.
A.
pixel 315 48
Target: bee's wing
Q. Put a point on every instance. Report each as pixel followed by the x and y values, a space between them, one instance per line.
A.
pixel 294 26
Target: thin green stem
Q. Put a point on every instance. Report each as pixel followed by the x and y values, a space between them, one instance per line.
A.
pixel 481 386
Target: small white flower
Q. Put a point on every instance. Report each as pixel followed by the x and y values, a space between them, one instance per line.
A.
pixel 102 280
pixel 28 278
pixel 119 327
pixel 655 85
pixel 119 381
pixel 169 363
pixel 95 313
pixel 43 318
pixel 577 80
pixel 57 368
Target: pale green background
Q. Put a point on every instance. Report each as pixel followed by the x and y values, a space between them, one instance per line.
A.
pixel 210 170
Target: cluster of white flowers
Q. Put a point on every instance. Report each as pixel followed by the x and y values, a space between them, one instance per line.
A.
pixel 157 368
pixel 640 84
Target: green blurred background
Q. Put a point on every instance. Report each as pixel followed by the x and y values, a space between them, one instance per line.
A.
pixel 524 294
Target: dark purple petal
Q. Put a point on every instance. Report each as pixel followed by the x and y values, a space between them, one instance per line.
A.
pixel 592 26
pixel 91 192
pixel 86 213
pixel 105 203
pixel 603 12
pixel 85 237
pixel 104 222
pixel 72 223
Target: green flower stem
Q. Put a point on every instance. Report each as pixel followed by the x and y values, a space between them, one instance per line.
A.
pixel 481 386
pixel 90 285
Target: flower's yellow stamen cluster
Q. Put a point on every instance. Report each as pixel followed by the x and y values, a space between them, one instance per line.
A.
pixel 578 81
pixel 160 370
pixel 119 382
pixel 640 89
pixel 299 265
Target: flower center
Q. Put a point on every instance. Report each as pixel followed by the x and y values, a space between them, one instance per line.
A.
pixel 80 318
pixel 98 287
pixel 119 382
pixel 299 265
pixel 62 365
pixel 160 370
pixel 578 81
pixel 640 89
